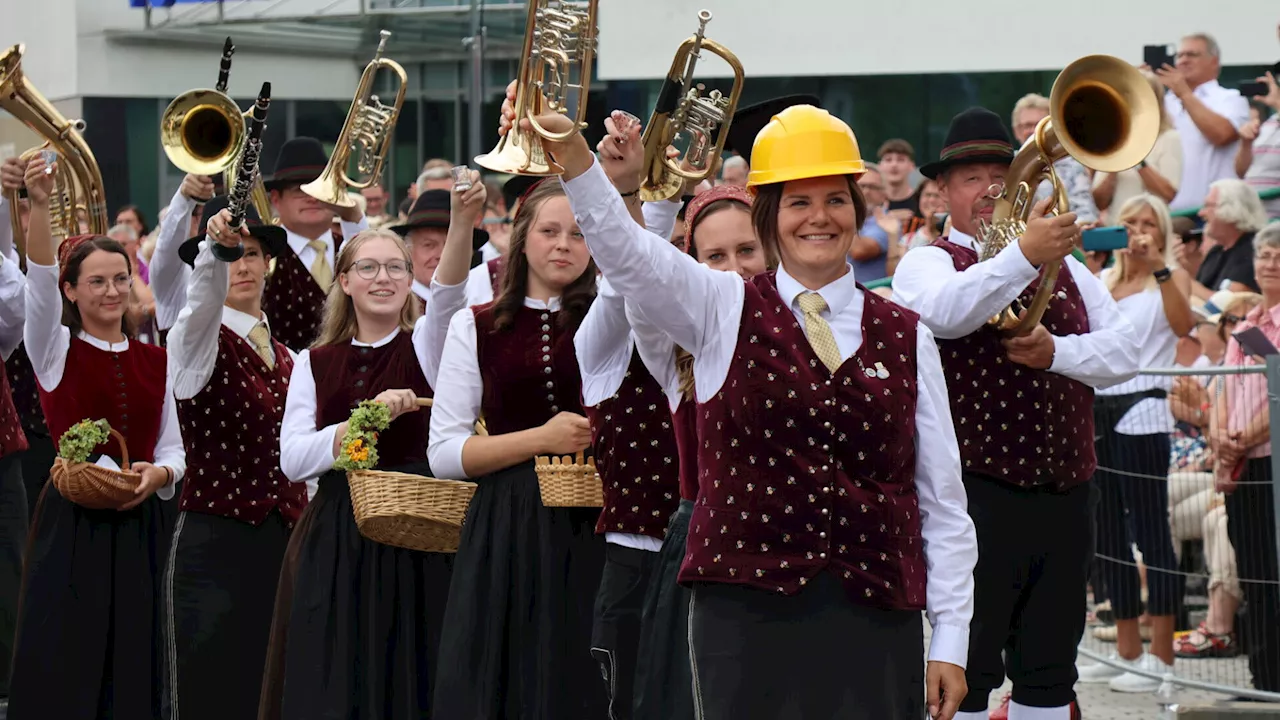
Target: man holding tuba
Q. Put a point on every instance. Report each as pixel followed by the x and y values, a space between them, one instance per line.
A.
pixel 1023 413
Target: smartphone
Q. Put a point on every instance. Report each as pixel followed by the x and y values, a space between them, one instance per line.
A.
pixel 1253 342
pixel 1157 56
pixel 1104 239
pixel 1253 89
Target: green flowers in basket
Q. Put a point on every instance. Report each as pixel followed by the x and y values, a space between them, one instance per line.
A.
pixel 76 443
pixel 358 444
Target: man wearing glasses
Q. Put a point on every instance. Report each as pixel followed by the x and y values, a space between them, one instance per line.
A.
pixel 1206 115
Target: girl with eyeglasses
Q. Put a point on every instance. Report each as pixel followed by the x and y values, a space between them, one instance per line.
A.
pixel 357 622
pixel 89 642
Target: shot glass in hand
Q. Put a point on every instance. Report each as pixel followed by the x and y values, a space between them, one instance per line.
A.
pixel 624 121
pixel 461 178
pixel 49 157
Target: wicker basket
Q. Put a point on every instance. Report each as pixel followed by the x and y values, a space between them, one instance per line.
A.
pixel 94 487
pixel 409 511
pixel 569 481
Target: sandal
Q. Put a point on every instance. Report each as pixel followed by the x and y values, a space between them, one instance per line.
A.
pixel 1200 643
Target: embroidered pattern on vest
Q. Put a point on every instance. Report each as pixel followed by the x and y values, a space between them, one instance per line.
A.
pixel 12 438
pixel 293 303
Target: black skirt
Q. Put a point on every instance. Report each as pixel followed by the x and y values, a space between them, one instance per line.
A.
pixel 517 632
pixel 664 682
pixel 89 643
pixel 357 623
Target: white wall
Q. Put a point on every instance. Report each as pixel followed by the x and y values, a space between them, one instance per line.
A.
pixel 869 37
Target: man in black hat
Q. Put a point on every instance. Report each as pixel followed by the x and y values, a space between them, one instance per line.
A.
pixel 237 507
pixel 1023 413
pixel 424 232
pixel 297 287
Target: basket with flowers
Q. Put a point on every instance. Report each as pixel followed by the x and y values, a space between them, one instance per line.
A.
pixel 87 484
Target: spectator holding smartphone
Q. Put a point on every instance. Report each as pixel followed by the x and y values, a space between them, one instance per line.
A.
pixel 1258 159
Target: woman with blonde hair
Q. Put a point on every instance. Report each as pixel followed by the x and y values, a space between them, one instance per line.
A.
pixel 1134 422
pixel 357 622
pixel 1158 174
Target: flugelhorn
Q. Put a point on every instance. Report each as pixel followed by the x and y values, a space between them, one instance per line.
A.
pixel 1102 113
pixel 559 50
pixel 203 133
pixel 366 133
pixel 78 184
pixel 247 174
pixel 682 109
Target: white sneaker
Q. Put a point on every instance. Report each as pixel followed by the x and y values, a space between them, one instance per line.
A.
pixel 1100 672
pixel 1133 683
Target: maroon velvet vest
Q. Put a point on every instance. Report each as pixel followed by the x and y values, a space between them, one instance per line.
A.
pixel 686 427
pixel 635 450
pixel 12 438
pixel 530 369
pixel 802 470
pixel 26 392
pixel 126 389
pixel 231 431
pixel 1015 424
pixel 293 302
pixel 346 374
pixel 495 273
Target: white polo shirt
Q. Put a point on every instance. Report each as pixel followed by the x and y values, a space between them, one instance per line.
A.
pixel 1202 163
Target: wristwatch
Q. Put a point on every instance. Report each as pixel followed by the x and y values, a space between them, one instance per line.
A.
pixel 1163 275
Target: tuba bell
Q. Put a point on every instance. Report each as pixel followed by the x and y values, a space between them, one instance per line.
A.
pixel 203 133
pixel 559 50
pixel 78 182
pixel 366 133
pixel 683 109
pixel 1102 113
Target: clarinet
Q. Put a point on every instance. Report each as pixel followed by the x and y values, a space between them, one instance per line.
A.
pixel 224 71
pixel 247 173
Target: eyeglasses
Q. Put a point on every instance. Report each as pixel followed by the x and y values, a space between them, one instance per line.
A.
pixel 98 285
pixel 1191 54
pixel 1267 259
pixel 368 269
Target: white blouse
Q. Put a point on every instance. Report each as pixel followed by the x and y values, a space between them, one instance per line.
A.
pixel 48 341
pixel 13 285
pixel 167 273
pixel 1157 347
pixel 701 310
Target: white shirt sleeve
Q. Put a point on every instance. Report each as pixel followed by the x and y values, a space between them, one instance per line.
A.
pixel 349 230
pixel 603 346
pixel 6 231
pixel 306 453
pixel 660 217
pixel 954 304
pixel 46 338
pixel 432 328
pixel 457 402
pixel 479 289
pixel 168 273
pixel 169 449
pixel 13 304
pixel 657 352
pixel 1108 354
pixel 193 341
pixel 950 540
pixel 699 308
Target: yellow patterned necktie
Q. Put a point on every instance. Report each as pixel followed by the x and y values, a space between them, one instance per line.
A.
pixel 260 339
pixel 320 269
pixel 818 331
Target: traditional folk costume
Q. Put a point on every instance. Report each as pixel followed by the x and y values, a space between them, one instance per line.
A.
pixel 357 623
pixel 298 284
pixel 1026 439
pixel 431 210
pixel 89 641
pixel 821 481
pixel 518 626
pixel 238 508
pixel 14 510
pixel 634 446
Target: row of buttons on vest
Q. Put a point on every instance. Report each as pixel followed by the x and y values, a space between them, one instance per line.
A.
pixel 831 459
pixel 124 397
pixel 546 359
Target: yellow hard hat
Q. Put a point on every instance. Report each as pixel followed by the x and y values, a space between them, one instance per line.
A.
pixel 803 142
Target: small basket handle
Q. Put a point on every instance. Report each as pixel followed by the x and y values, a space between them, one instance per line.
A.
pixel 124 448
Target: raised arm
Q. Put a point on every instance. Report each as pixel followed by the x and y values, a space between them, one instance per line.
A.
pixel 168 274
pixel 603 345
pixel 193 341
pixel 44 335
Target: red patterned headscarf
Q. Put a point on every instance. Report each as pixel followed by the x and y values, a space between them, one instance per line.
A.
pixel 69 246
pixel 702 200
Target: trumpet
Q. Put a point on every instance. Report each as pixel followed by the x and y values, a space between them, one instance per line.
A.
pixel 78 180
pixel 559 38
pixel 683 109
pixel 203 133
pixel 366 133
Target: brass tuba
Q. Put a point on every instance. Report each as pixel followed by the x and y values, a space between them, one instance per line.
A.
pixel 367 133
pixel 682 109
pixel 203 133
pixel 559 50
pixel 1102 113
pixel 78 185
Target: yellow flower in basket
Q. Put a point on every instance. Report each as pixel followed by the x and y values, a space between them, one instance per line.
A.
pixel 359 451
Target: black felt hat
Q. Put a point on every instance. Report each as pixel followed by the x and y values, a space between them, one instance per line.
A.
pixel 300 161
pixel 516 187
pixel 976 135
pixel 749 121
pixel 431 210
pixel 274 239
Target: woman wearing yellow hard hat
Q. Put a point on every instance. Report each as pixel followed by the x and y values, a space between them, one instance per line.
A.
pixel 830 510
